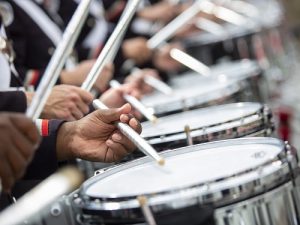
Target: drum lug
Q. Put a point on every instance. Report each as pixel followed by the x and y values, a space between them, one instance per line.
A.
pixel 288 149
pixel 266 113
pixel 56 210
pixel 268 119
pixel 189 138
pixel 97 172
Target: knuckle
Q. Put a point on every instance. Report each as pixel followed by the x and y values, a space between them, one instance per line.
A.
pixel 74 96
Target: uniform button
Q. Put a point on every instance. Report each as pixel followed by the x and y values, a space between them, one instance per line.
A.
pixel 51 50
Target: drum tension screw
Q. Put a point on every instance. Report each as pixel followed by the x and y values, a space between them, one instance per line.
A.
pixel 189 137
pixel 55 210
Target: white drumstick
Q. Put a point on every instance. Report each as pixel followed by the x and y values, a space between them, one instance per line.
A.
pixel 225 14
pixel 171 28
pixel 211 27
pixel 159 85
pixel 108 51
pixel 244 8
pixel 32 203
pixel 155 83
pixel 190 62
pixel 135 103
pixel 134 137
pixel 58 59
pixel 143 201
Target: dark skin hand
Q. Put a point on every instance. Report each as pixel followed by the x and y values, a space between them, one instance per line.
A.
pixel 19 139
pixel 65 102
pixel 96 137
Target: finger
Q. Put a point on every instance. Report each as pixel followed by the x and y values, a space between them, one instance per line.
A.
pixel 77 114
pixel 112 115
pixel 84 95
pixel 119 138
pixel 135 93
pixel 27 127
pixel 136 125
pixel 116 151
pixel 79 101
pixel 124 118
pixel 6 174
pixel 70 118
pixel 83 107
pixel 73 111
pixel 18 162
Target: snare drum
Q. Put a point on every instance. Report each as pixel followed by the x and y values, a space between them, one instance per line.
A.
pixel 237 41
pixel 246 71
pixel 244 181
pixel 208 92
pixel 231 82
pixel 234 44
pixel 209 124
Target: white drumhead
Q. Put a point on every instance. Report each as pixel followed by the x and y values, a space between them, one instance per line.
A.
pixel 184 170
pixel 237 70
pixel 199 118
pixel 196 89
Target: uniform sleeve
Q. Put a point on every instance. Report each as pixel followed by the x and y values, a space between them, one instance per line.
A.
pixel 45 161
pixel 13 101
pixel 32 47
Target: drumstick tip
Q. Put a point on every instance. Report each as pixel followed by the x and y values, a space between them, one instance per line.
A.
pixel 161 162
pixel 142 200
pixel 187 129
pixel 154 119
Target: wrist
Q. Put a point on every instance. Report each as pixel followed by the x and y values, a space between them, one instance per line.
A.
pixel 65 141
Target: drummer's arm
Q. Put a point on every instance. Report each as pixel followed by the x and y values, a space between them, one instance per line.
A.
pixel 45 161
pixel 93 138
pixel 13 101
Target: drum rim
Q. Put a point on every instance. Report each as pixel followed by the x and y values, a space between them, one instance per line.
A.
pixel 232 32
pixel 191 194
pixel 176 104
pixel 249 70
pixel 263 112
pixel 252 68
pixel 258 26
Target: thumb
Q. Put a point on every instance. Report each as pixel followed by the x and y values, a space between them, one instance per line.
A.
pixel 113 115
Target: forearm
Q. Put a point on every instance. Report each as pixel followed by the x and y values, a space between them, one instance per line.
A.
pixel 65 136
pixel 45 161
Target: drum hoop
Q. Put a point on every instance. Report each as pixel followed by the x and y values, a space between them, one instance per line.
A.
pixel 209 39
pixel 255 127
pixel 175 197
pixel 263 113
pixel 249 69
pixel 226 92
